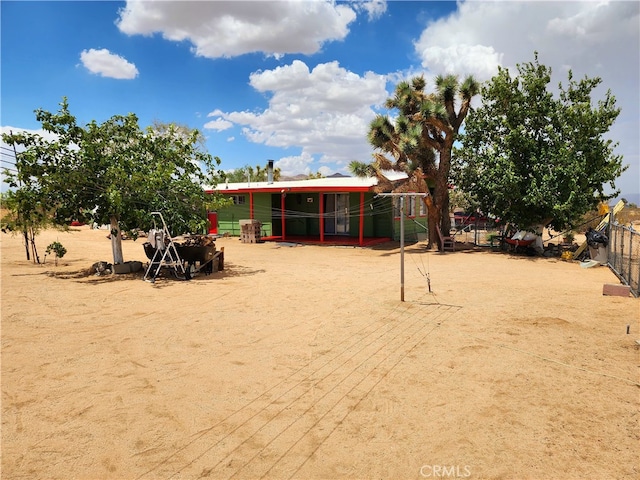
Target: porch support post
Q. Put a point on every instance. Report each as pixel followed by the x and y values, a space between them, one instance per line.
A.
pixel 282 215
pixel 361 226
pixel 321 197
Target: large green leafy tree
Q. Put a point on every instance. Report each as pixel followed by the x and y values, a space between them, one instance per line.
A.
pixel 420 140
pixel 533 158
pixel 113 173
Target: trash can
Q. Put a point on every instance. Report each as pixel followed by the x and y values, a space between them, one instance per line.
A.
pixel 597 243
pixel 598 254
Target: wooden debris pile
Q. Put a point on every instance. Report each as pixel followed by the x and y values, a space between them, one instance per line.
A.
pixel 197 241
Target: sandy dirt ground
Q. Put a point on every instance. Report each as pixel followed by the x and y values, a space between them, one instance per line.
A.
pixel 301 362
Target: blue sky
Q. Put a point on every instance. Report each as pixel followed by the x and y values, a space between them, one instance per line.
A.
pixel 297 82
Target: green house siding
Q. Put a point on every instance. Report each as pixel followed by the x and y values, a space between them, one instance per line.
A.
pixel 303 212
pixel 415 229
pixel 229 217
pixel 262 212
pixel 378 218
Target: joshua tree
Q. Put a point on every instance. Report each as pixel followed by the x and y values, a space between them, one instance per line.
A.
pixel 420 141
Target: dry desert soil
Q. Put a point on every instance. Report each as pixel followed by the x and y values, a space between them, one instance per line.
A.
pixel 302 362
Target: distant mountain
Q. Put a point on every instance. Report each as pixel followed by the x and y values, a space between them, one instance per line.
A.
pixel 300 176
pixel 338 175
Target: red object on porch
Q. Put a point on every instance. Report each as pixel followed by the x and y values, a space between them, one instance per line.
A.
pixel 213 222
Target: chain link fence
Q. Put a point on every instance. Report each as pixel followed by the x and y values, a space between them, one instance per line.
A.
pixel 624 255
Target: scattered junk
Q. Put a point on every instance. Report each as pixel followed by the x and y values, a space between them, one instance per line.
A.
pixel 200 255
pixel 182 257
pixel 162 253
pixel 597 243
pixel 616 290
pixel 522 240
pixel 604 223
pixel 127 267
pixel 105 268
pixel 250 231
pixel 589 264
pixel 101 268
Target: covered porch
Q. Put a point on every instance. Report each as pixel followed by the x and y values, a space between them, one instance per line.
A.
pixel 329 240
pixel 328 211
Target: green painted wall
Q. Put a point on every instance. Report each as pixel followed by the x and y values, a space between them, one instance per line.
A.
pixel 302 215
pixel 415 229
pixel 378 217
pixel 229 217
pixel 262 211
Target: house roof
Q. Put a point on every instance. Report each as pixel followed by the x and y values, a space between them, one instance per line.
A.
pixel 327 184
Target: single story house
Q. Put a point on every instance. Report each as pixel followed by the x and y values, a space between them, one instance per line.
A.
pixel 336 210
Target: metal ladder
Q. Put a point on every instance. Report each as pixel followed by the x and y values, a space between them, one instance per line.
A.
pixel 166 255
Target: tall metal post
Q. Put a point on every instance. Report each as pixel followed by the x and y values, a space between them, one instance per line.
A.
pixel 402 248
pixel 402 197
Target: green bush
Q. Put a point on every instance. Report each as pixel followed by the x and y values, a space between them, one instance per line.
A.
pixel 57 249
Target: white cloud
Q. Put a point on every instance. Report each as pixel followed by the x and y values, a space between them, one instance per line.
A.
pixel 219 124
pixel 509 32
pixel 48 136
pixel 325 111
pixel 294 165
pixel 325 171
pixel 591 38
pixel 373 8
pixel 228 29
pixel 106 64
pixel 483 61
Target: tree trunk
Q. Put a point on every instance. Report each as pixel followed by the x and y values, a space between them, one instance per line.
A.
pixel 432 221
pixel 441 193
pixel 32 241
pixel 116 240
pixel 445 224
pixel 26 243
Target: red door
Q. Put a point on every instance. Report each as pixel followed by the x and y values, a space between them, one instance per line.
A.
pixel 213 222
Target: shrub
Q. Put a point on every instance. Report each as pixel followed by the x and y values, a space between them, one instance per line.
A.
pixel 57 249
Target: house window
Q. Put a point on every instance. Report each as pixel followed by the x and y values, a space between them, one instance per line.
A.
pixel 423 207
pixel 409 206
pixel 238 199
pixel 411 210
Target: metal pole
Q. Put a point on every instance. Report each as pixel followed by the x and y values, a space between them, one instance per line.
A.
pixel 402 197
pixel 402 248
